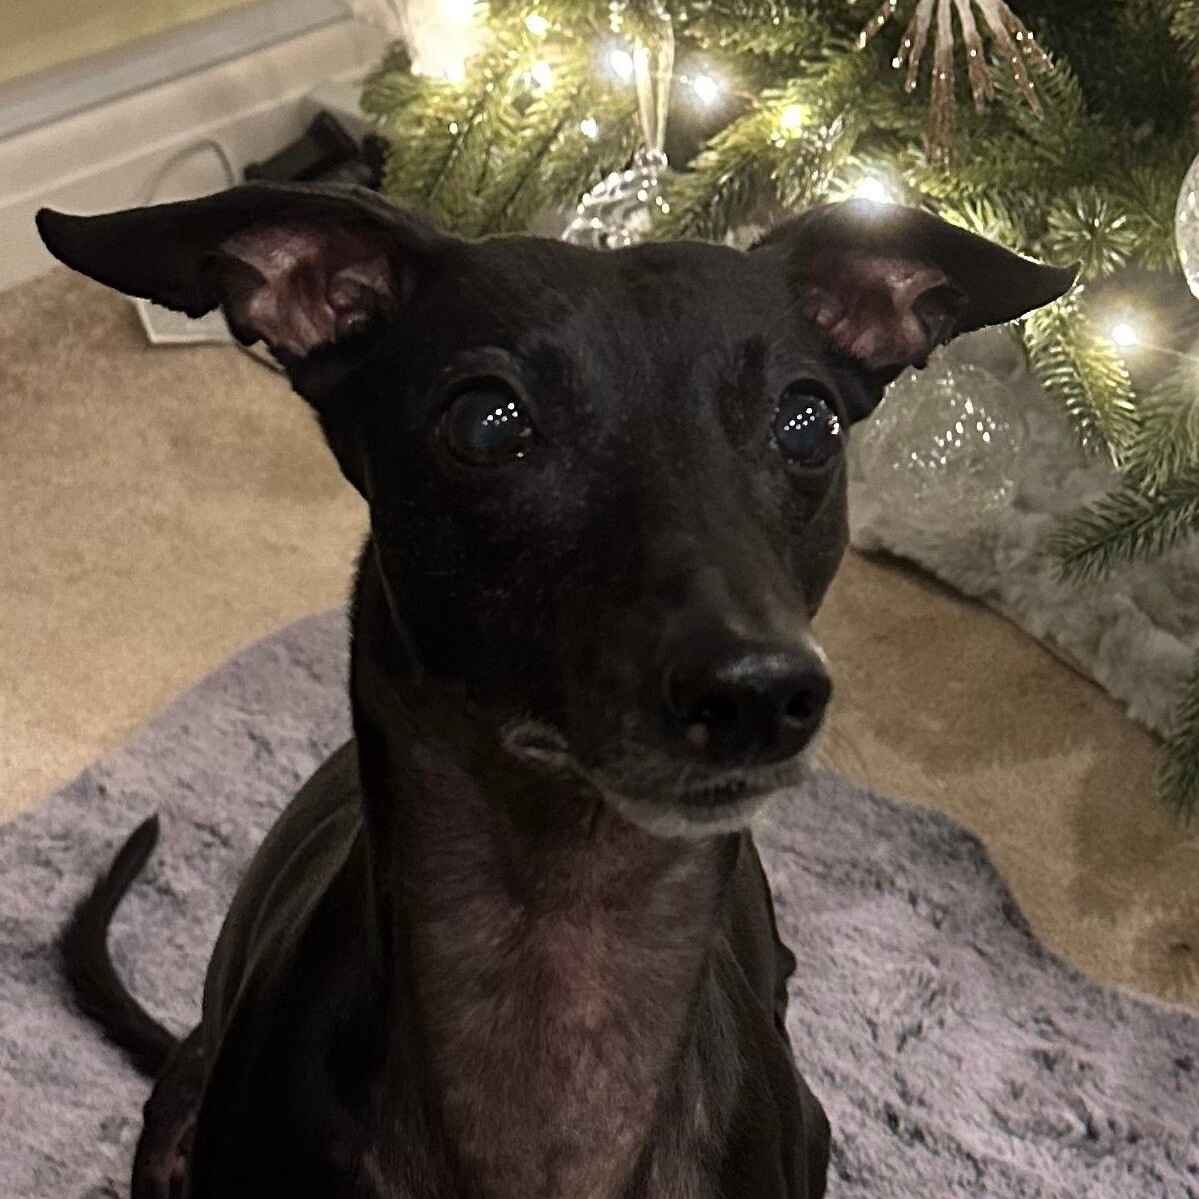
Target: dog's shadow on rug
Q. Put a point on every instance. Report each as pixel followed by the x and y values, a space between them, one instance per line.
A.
pixel 954 1055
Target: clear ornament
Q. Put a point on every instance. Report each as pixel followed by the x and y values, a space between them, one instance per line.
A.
pixel 945 438
pixel 619 210
pixel 1186 226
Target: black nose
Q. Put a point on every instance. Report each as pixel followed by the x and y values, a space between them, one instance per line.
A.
pixel 738 702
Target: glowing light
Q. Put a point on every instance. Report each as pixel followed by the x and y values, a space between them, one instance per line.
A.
pixel 873 189
pixel 537 25
pixel 1123 334
pixel 792 118
pixel 706 88
pixel 621 63
pixel 589 127
pixel 444 39
pixel 542 74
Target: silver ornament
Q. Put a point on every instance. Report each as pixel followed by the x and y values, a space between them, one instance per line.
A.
pixel 1186 226
pixel 945 438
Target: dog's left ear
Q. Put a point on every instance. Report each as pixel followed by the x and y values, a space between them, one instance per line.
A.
pixel 888 284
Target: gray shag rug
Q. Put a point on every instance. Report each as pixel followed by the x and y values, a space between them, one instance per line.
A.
pixel 955 1056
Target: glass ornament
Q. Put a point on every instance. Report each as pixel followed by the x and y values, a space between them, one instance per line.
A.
pixel 947 437
pixel 619 210
pixel 1186 226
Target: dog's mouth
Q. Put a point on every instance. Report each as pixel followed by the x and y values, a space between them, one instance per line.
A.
pixel 538 743
pixel 668 800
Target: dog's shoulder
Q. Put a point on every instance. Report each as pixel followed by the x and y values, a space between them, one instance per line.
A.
pixel 283 884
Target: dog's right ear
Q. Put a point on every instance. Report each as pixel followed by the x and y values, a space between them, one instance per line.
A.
pixel 311 271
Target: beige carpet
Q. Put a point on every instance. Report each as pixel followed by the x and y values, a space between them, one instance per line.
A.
pixel 163 507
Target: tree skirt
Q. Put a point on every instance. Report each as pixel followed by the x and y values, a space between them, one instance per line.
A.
pixel 955 1056
pixel 1134 632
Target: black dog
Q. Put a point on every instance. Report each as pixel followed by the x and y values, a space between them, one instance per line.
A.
pixel 514 940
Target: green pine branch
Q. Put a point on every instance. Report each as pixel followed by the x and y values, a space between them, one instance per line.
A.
pixel 1184 28
pixel 785 150
pixel 1125 526
pixel 1167 443
pixel 488 154
pixel 1147 194
pixel 1080 368
pixel 1087 226
pixel 758 27
pixel 1176 777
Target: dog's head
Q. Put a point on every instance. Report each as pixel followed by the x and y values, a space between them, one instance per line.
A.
pixel 606 489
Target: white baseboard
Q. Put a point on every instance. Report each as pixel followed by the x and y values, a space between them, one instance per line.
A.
pixel 109 156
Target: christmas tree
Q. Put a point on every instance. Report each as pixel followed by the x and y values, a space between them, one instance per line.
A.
pixel 1063 130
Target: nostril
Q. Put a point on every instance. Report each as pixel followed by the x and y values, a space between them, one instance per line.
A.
pixel 809 699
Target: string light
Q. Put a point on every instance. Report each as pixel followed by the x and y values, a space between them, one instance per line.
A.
pixel 537 25
pixel 621 63
pixel 1124 335
pixel 1127 332
pixel 443 43
pixel 871 188
pixel 792 117
pixel 542 74
pixel 706 88
pixel 589 127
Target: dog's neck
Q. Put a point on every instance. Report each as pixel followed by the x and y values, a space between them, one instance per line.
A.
pixel 556 952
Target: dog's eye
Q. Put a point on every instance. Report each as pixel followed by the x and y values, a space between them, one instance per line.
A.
pixel 486 424
pixel 806 428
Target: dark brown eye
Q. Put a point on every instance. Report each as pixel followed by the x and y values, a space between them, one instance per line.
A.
pixel 806 428
pixel 486 424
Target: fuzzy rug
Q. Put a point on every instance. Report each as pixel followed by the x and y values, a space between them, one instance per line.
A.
pixel 954 1055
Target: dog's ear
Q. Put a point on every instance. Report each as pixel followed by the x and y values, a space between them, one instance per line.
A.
pixel 309 270
pixel 888 284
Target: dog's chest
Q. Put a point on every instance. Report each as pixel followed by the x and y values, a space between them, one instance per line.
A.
pixel 560 1043
pixel 550 1072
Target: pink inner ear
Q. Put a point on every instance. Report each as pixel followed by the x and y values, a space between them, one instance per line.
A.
pixel 866 303
pixel 317 284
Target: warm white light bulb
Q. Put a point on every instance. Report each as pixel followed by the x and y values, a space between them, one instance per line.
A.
pixel 1124 335
pixel 873 189
pixel 706 88
pixel 791 118
pixel 542 74
pixel 537 25
pixel 589 127
pixel 621 62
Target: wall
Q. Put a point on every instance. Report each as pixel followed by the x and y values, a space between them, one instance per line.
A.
pixel 110 154
pixel 48 33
